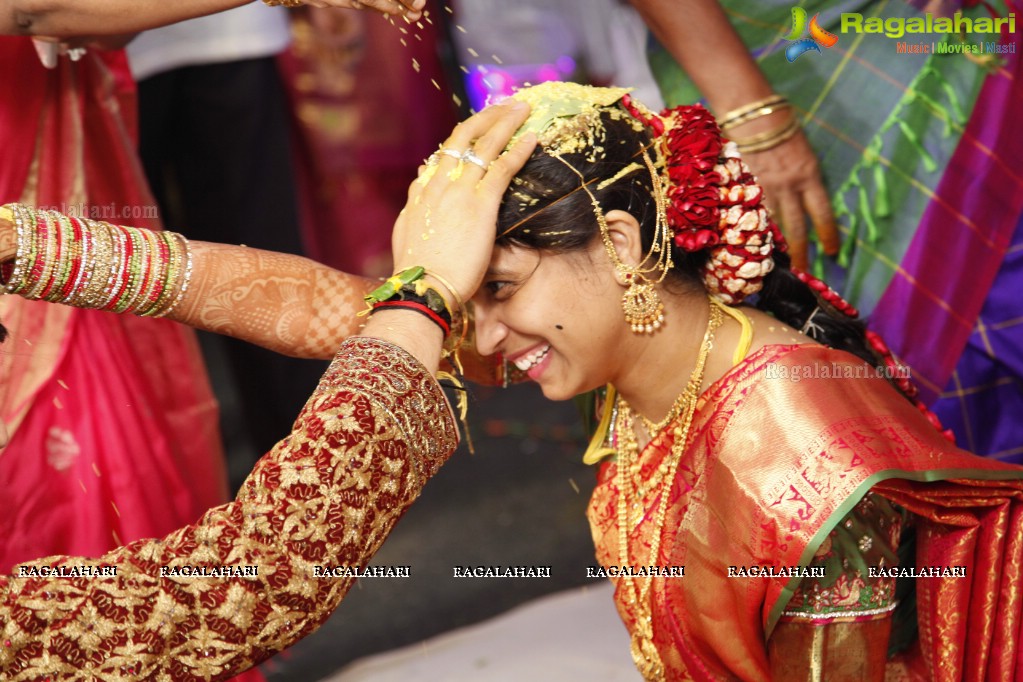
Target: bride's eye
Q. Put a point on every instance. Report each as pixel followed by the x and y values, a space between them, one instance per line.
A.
pixel 499 289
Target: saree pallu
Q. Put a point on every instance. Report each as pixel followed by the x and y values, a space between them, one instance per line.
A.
pixel 923 160
pixel 113 426
pixel 782 447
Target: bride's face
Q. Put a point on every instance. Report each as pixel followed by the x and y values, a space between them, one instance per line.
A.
pixel 556 316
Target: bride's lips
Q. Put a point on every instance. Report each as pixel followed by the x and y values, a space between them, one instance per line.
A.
pixel 540 366
pixel 532 361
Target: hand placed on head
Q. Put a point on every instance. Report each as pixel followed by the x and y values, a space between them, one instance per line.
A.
pixel 449 224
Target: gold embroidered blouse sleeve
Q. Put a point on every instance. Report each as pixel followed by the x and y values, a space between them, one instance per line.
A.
pixel 375 430
pixel 838 626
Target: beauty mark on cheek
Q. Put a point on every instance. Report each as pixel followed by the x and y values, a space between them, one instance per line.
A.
pixel 558 327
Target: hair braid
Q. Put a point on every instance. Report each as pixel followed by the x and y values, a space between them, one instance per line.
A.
pixel 798 298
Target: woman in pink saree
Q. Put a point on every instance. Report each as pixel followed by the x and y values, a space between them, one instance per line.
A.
pixel 113 426
pixel 112 422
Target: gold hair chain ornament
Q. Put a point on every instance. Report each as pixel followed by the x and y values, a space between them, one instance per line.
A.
pixel 707 198
pixel 643 308
pixel 641 304
pixel 566 116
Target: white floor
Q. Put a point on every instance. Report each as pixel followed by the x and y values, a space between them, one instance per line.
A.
pixel 574 635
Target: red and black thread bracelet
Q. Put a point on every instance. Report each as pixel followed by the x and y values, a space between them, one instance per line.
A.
pixel 424 300
pixel 420 308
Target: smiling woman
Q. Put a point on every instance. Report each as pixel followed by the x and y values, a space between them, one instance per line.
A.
pixel 633 255
pixel 784 500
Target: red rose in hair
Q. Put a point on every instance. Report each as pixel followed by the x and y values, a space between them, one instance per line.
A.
pixel 693 147
pixel 699 199
pixel 698 147
pixel 696 240
pixel 696 205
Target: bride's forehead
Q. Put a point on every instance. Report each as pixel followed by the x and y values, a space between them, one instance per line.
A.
pixel 513 260
pixel 507 257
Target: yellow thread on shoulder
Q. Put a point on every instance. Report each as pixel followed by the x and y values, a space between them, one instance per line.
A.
pixel 745 336
pixel 595 450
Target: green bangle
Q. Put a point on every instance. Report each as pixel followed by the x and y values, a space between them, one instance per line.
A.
pixel 393 283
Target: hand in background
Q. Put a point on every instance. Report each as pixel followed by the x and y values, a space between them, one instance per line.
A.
pixel 410 9
pixel 729 78
pixel 793 189
pixel 334 34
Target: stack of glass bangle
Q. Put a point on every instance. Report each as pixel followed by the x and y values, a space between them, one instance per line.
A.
pixel 93 264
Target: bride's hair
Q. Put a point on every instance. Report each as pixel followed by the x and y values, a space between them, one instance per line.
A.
pixel 547 208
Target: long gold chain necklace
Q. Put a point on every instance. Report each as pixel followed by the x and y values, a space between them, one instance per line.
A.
pixel 644 652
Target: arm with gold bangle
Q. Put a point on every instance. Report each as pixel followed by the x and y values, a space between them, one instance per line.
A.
pixel 759 120
pixel 70 18
pixel 282 302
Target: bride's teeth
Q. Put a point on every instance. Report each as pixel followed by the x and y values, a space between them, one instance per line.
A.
pixel 527 362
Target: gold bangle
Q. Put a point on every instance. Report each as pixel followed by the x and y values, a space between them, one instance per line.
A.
pixel 773 100
pixel 769 140
pixel 764 136
pixel 450 289
pixel 182 279
pixel 459 319
pixel 283 3
pixel 754 115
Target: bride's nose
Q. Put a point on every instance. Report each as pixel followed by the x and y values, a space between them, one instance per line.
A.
pixel 490 332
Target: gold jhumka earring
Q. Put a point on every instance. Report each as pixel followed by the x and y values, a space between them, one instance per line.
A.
pixel 642 306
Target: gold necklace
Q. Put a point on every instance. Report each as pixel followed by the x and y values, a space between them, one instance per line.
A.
pixel 652 427
pixel 644 652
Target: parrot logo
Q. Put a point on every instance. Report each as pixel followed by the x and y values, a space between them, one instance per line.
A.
pixel 818 36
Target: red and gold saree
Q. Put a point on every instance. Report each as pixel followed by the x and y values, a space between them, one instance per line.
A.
pixel 781 449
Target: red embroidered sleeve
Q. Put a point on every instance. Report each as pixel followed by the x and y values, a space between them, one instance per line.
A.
pixel 375 430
